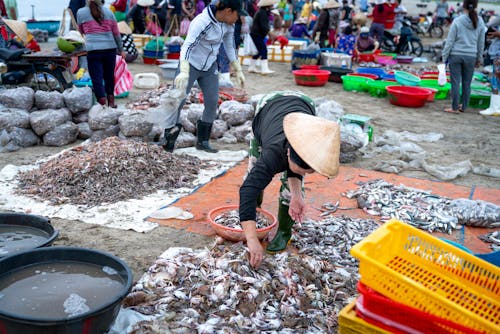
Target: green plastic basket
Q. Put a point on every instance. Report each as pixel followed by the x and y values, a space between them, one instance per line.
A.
pixel 376 88
pixel 480 99
pixel 442 91
pixel 355 83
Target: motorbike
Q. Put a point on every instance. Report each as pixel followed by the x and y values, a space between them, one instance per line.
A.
pixel 407 43
pixel 426 24
pixel 21 67
pixel 486 14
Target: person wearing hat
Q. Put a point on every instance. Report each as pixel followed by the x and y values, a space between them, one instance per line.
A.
pixel 129 48
pixel 198 62
pixel 299 29
pixel 287 138
pixel 325 24
pixel 259 30
pixel 364 42
pixel 138 14
pixel 102 41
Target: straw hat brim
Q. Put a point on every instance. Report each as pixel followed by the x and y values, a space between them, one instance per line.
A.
pixel 331 4
pixel 124 28
pixel 19 28
pixel 145 3
pixel 265 3
pixel 316 140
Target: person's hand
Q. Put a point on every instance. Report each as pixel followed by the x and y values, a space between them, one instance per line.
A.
pixel 181 80
pixel 256 252
pixel 240 78
pixel 494 34
pixel 124 54
pixel 297 208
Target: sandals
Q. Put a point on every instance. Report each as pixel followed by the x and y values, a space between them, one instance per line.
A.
pixel 451 111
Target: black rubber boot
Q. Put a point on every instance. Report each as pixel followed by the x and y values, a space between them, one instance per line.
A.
pixel 170 136
pixel 111 101
pixel 203 132
pixel 102 101
pixel 284 233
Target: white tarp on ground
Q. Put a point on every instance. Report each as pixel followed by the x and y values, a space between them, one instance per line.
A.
pixel 127 215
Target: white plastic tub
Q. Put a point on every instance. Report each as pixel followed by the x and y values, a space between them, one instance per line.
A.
pixel 168 70
pixel 147 80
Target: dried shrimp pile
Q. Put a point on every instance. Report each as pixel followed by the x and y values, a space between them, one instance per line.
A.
pixel 231 219
pixel 148 99
pixel 109 171
pixel 215 291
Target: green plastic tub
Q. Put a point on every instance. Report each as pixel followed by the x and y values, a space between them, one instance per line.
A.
pixel 355 83
pixel 480 99
pixel 442 92
pixel 376 88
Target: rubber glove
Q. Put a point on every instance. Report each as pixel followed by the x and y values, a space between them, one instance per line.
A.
pixel 240 78
pixel 181 80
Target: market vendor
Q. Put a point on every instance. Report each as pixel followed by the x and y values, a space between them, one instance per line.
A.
pixel 288 138
pixel 198 62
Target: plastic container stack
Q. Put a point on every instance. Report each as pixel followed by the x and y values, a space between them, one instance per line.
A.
pixel 414 282
pixel 153 51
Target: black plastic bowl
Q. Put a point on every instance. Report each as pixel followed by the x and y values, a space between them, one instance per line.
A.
pixel 33 221
pixel 93 322
pixel 336 73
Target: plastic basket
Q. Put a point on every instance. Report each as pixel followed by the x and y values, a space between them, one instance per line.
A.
pixel 442 92
pixel 416 269
pixel 376 88
pixel 388 314
pixel 406 79
pixel 350 323
pixel 355 83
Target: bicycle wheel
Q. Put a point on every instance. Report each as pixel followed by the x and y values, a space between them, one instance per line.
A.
pixel 413 48
pixel 436 32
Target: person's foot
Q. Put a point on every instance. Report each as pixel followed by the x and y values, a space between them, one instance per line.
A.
pixel 451 111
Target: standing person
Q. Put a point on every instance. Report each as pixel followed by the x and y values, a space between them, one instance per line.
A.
pixel 102 41
pixel 494 54
pixel 462 51
pixel 442 12
pixel 199 7
pixel 260 29
pixel 287 138
pixel 121 8
pixel 323 25
pixel 287 15
pixel 213 27
pixel 306 11
pixel 75 5
pixel 11 7
pixel 378 20
pixel 138 14
pixel 345 14
pixel 400 12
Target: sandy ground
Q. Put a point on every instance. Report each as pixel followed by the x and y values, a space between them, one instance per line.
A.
pixel 466 136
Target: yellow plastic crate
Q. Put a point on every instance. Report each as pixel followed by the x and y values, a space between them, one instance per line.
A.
pixel 421 271
pixel 350 323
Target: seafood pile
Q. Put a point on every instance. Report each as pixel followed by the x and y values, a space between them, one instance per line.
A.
pixel 493 238
pixel 109 171
pixel 215 291
pixel 231 219
pixel 148 99
pixel 413 206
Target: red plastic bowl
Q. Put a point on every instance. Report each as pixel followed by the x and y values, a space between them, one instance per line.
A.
pixel 432 95
pixel 312 78
pixel 222 97
pixel 366 57
pixel 366 75
pixel 236 234
pixel 408 96
pixel 309 67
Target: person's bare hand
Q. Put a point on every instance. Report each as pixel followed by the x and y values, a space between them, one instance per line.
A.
pixel 297 208
pixel 256 252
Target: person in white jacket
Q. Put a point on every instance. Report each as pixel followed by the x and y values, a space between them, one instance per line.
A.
pixel 197 62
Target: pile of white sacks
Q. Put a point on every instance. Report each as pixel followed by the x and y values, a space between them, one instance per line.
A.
pixel 29 118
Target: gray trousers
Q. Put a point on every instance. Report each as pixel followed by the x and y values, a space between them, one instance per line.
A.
pixel 209 84
pixel 461 72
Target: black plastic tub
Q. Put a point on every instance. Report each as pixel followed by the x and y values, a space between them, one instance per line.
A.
pixel 33 221
pixel 336 73
pixel 96 321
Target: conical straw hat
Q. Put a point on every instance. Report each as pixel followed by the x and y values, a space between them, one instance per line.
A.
pixel 316 140
pixel 124 28
pixel 331 4
pixel 19 28
pixel 265 3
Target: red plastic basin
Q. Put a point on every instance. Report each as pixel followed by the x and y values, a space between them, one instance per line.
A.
pixel 366 75
pixel 408 96
pixel 312 78
pixel 432 95
pixel 309 67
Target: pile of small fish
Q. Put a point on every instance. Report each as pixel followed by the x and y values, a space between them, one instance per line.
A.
pixel 231 219
pixel 493 238
pixel 216 291
pixel 148 99
pixel 109 171
pixel 413 206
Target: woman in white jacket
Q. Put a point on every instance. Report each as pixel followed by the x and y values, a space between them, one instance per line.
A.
pixel 213 27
